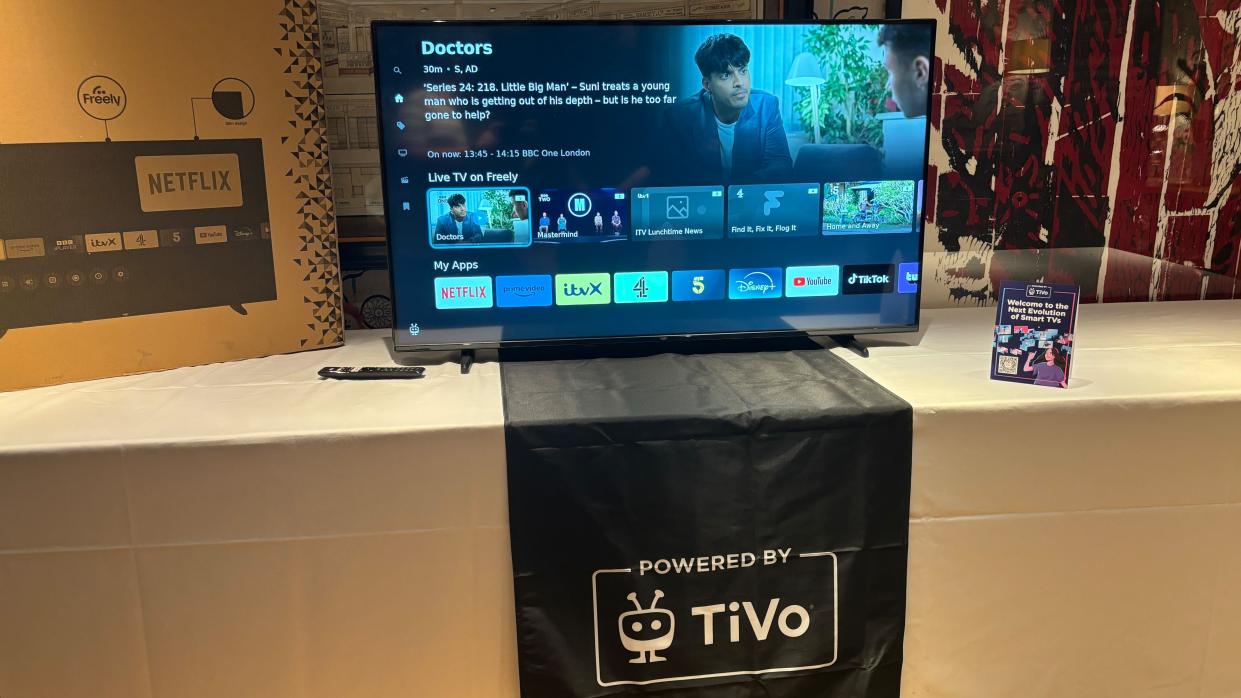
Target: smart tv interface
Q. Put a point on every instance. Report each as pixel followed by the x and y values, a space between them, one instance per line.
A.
pixel 553 182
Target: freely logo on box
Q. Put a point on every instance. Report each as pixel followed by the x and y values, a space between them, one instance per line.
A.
pixel 698 285
pixel 754 283
pixel 186 182
pixel 583 289
pixel 523 291
pixel 801 282
pixel 641 287
pixel 907 278
pixel 673 619
pixel 457 292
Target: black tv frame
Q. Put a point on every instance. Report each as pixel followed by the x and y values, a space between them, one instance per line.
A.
pixel 843 335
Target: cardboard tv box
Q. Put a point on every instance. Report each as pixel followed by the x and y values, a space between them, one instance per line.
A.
pixel 165 198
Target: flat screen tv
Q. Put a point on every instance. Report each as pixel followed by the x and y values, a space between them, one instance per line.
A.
pixel 560 182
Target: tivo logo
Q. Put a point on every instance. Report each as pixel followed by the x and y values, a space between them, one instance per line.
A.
pixel 1038 291
pixel 698 626
pixel 101 95
pixel 186 182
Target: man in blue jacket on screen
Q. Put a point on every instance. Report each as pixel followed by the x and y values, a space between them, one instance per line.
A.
pixel 727 132
pixel 457 225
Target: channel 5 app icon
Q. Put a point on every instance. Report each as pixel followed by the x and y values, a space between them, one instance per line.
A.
pixel 698 285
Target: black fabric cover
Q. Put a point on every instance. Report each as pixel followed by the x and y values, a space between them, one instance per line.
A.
pixel 707 463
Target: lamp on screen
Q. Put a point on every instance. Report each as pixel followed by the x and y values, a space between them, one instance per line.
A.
pixel 806 72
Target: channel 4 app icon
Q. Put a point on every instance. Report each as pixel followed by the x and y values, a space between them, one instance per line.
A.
pixel 698 285
pixel 523 291
pixel 641 287
pixel 803 282
pixel 744 284
pixel 457 292
pixel 773 211
pixel 583 289
pixel 907 275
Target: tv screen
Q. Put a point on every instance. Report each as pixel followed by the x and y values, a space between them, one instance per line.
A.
pixel 559 182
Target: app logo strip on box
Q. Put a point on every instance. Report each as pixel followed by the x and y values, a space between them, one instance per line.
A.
pixel 463 292
pixel 698 285
pixel 803 282
pixel 641 287
pixel 524 291
pixel 583 289
pixel 745 284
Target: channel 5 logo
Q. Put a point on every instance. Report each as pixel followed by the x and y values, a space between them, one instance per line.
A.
pixel 697 626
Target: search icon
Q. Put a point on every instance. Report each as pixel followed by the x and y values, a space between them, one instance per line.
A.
pixel 396 69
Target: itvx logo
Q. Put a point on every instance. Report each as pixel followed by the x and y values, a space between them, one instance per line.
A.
pixel 583 289
pixel 733 614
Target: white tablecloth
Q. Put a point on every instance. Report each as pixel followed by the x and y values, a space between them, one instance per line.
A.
pixel 246 529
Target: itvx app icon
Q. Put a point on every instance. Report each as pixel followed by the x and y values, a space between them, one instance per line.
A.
pixel 583 289
pixel 754 283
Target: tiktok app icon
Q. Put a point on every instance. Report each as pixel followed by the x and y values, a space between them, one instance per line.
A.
pixel 697 627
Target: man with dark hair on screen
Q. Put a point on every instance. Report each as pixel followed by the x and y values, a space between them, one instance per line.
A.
pixel 907 58
pixel 456 225
pixel 727 132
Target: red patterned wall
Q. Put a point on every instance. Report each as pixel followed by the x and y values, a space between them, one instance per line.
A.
pixel 1096 142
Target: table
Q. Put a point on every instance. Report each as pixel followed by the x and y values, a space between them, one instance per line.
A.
pixel 246 529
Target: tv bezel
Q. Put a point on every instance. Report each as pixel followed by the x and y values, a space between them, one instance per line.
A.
pixel 410 347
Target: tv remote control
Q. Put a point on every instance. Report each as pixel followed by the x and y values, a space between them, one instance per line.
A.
pixel 371 372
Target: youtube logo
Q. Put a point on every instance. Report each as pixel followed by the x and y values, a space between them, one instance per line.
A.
pixel 805 282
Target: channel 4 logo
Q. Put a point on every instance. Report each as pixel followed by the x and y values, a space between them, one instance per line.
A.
pixel 641 287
